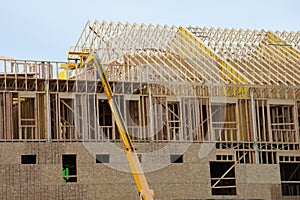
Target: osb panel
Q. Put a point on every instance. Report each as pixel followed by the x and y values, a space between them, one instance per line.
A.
pixel 10 153
pixel 257 191
pixel 51 174
pixel 188 190
pixel 258 174
pixel 100 174
pixel 188 180
pixel 19 175
pixel 47 153
pixel 113 191
pixel 61 192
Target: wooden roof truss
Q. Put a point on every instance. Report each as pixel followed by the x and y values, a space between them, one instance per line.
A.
pixel 263 56
pixel 155 53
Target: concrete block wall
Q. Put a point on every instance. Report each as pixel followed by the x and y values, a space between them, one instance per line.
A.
pixel 187 180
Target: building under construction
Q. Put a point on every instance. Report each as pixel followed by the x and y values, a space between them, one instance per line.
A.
pixel 213 113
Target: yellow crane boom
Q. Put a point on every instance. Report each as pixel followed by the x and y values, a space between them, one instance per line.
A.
pixel 144 192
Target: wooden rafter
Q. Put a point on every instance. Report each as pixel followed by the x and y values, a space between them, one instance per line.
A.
pixel 263 56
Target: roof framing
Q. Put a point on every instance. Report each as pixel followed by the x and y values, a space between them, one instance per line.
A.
pixel 194 55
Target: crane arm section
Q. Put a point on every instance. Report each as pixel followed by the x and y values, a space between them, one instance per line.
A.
pixel 136 168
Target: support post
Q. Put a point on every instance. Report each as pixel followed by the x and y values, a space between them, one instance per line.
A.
pixel 48 109
pixel 151 114
pixel 254 126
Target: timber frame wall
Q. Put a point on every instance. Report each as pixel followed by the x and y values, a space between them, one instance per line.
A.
pixel 238 88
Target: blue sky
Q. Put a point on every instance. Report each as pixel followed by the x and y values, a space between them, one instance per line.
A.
pixel 44 30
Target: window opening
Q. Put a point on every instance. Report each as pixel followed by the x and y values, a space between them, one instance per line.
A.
pixel 290 178
pixel 102 158
pixel 176 158
pixel 222 178
pixel 224 121
pixel 69 171
pixel 28 159
pixel 105 121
